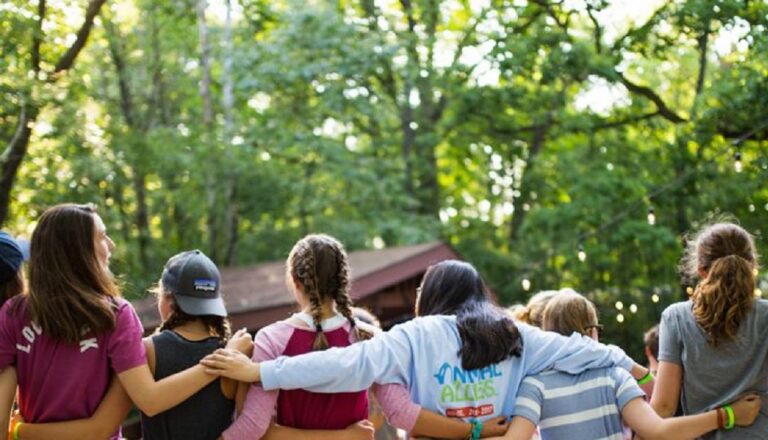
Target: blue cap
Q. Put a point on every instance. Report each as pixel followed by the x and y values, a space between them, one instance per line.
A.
pixel 11 257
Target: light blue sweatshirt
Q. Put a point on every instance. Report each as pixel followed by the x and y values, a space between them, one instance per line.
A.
pixel 423 355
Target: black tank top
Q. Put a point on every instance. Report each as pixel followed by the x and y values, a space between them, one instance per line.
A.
pixel 206 414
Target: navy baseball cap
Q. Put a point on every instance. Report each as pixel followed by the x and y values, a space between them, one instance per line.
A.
pixel 195 283
pixel 11 257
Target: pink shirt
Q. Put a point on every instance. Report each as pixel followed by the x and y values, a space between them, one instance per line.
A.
pixel 261 406
pixel 60 381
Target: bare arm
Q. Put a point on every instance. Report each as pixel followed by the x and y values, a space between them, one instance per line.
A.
pixel 666 392
pixel 153 397
pixel 7 395
pixel 359 431
pixel 520 429
pixel 434 425
pixel 101 425
pixel 647 424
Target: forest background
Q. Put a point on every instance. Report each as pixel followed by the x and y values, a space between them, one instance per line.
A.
pixel 552 143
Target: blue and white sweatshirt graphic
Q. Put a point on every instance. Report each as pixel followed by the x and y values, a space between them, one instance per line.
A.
pixel 423 355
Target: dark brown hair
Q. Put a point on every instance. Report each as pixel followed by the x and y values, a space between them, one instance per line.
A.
pixel 217 325
pixel 488 334
pixel 651 340
pixel 70 291
pixel 320 265
pixel 726 253
pixel 11 288
pixel 569 312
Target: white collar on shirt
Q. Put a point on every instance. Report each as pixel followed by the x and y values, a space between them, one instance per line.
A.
pixel 331 323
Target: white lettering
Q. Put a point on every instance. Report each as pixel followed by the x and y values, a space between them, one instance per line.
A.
pixel 86 344
pixel 24 348
pixel 37 328
pixel 28 334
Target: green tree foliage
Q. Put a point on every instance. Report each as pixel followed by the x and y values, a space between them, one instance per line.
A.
pixel 518 131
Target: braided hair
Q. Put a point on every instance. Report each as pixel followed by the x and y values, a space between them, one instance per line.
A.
pixel 320 265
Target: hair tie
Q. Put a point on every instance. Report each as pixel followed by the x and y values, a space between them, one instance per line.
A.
pixel 319 328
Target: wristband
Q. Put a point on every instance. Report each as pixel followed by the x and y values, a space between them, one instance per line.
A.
pixel 647 378
pixel 16 431
pixel 477 428
pixel 731 422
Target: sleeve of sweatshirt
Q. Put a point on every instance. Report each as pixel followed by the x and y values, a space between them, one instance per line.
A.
pixel 387 358
pixel 260 405
pixel 574 354
pixel 399 409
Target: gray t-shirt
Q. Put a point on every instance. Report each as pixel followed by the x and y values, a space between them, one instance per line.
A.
pixel 713 376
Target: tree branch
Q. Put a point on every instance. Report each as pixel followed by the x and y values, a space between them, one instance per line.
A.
pixel 37 37
pixel 647 92
pixel 68 59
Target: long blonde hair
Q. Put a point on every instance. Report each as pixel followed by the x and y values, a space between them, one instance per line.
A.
pixel 726 253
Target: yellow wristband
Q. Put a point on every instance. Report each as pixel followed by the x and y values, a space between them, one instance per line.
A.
pixel 16 431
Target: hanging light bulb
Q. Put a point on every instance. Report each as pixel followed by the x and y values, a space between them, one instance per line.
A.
pixel 619 305
pixel 689 290
pixel 526 284
pixel 737 165
pixel 655 298
pixel 651 216
pixel 620 317
pixel 633 308
pixel 582 254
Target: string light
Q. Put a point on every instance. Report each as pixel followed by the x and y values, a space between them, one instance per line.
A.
pixel 619 305
pixel 689 290
pixel 758 292
pixel 526 284
pixel 655 298
pixel 651 216
pixel 582 254
pixel 737 165
pixel 620 317
pixel 633 308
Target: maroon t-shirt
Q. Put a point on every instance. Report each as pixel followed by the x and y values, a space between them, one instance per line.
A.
pixel 60 381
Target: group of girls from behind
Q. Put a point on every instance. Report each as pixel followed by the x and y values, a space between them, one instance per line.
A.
pixel 74 350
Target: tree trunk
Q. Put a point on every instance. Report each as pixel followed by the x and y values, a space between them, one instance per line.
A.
pixel 13 156
pixel 537 144
pixel 205 94
pixel 232 218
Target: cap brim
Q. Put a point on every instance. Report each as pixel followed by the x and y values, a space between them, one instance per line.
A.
pixel 201 306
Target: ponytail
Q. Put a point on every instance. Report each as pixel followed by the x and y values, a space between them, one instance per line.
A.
pixel 723 299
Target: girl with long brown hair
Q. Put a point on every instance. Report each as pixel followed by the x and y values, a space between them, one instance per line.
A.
pixel 714 347
pixel 72 331
pixel 317 272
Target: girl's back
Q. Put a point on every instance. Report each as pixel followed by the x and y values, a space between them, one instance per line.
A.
pixel 203 416
pixel 715 375
pixel 72 377
pixel 305 409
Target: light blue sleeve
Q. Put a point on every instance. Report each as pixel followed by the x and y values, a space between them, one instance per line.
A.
pixel 386 358
pixel 574 354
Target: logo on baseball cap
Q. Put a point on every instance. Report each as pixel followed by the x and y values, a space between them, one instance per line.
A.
pixel 195 282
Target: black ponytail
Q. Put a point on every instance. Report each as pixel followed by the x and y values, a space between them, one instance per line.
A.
pixel 488 335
